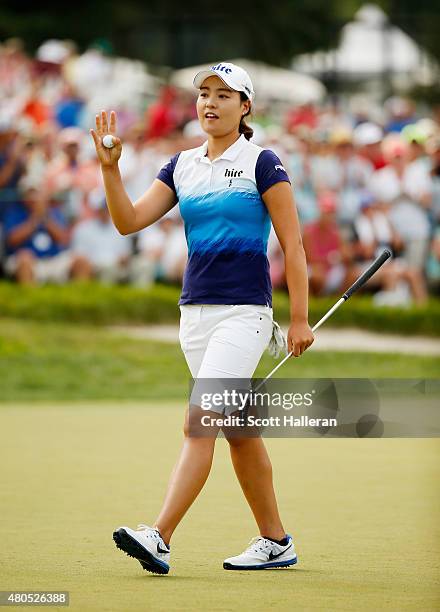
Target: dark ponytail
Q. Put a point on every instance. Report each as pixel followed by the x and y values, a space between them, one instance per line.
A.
pixel 244 128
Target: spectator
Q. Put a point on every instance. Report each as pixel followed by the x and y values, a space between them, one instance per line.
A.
pixel 12 163
pixel 303 115
pixel 12 167
pixel 34 158
pixel 36 108
pixel 108 255
pixel 67 110
pixel 434 170
pixel 300 164
pixel 416 140
pixel 433 263
pixel 407 189
pixel 42 96
pixel 351 174
pixel 373 231
pixel 328 256
pixel 340 170
pixel 401 111
pixel 37 240
pixel 275 256
pixel 68 180
pixel 165 245
pixel 161 116
pixel 367 137
pixel 138 164
pixel 15 67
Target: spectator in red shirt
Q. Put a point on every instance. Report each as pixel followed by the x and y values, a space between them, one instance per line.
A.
pixel 35 107
pixel 328 256
pixel 303 115
pixel 161 118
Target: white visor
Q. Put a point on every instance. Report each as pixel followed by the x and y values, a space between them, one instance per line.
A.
pixel 233 76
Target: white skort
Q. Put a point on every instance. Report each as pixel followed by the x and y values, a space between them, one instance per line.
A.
pixel 223 341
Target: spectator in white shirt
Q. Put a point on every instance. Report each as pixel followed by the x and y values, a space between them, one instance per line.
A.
pixel 109 253
pixel 164 245
pixel 373 231
pixel 407 188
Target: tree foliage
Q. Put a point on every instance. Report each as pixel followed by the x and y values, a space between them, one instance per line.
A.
pixel 179 34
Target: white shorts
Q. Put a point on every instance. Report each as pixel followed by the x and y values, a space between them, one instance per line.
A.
pixel 224 341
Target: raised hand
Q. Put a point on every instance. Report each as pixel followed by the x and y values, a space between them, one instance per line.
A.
pixel 107 157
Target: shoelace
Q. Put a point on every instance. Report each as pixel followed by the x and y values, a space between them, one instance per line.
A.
pixel 155 535
pixel 142 527
pixel 256 544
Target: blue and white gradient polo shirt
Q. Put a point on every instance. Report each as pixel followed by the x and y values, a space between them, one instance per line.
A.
pixel 226 221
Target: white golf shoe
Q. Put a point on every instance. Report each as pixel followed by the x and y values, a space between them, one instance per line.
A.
pixel 146 545
pixel 263 554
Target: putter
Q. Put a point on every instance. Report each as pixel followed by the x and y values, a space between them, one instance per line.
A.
pixel 364 277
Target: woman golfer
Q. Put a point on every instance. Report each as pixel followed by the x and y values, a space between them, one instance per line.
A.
pixel 229 190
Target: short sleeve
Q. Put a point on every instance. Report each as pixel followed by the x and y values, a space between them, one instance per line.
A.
pixel 269 170
pixel 166 174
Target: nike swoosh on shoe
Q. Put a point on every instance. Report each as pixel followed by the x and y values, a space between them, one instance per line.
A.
pixel 161 550
pixel 272 556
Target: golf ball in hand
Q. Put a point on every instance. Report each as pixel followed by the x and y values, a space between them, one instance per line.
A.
pixel 107 141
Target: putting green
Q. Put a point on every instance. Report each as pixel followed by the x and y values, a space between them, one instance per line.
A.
pixel 362 513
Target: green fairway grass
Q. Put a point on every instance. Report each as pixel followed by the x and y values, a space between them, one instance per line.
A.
pixel 363 513
pixel 58 361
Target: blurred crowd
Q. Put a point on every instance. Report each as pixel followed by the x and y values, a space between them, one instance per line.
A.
pixel 362 180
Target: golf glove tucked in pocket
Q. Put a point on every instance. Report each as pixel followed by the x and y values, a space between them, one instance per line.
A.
pixel 278 343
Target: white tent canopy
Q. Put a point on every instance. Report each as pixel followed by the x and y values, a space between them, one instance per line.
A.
pixel 370 45
pixel 270 83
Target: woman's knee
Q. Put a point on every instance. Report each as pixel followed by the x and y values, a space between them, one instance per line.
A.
pixel 251 447
pixel 195 427
pixel 237 441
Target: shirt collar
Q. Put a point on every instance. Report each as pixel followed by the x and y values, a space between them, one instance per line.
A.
pixel 230 154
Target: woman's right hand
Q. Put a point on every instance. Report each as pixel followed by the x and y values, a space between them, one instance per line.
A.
pixel 107 157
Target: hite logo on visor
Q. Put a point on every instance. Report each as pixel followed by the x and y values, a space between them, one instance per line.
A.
pixel 221 68
pixel 279 167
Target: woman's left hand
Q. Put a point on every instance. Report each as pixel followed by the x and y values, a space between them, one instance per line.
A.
pixel 299 337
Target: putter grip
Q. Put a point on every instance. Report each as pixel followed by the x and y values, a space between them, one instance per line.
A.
pixel 377 263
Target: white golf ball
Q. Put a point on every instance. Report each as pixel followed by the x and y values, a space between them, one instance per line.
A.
pixel 107 141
